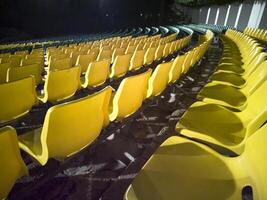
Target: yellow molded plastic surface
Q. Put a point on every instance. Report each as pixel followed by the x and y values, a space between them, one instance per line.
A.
pixel 3 71
pixel 97 73
pixel 84 61
pixel 232 97
pixel 16 73
pixel 67 129
pixel 120 66
pixel 184 169
pixel 137 60
pixel 220 126
pixel 61 84
pixel 129 96
pixel 60 64
pixel 176 68
pixel 159 79
pixel 149 55
pixel 17 98
pixel 12 166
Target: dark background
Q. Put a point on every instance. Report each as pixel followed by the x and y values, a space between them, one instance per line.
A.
pixel 27 19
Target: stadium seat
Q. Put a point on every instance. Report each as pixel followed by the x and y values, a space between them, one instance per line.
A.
pixel 16 73
pixel 137 60
pixel 84 61
pixel 17 98
pixel 159 79
pixel 184 169
pixel 12 166
pixel 117 52
pixel 237 80
pixel 120 65
pixel 129 96
pixel 104 54
pixel 96 74
pixel 149 55
pixel 224 128
pixel 3 71
pixel 176 68
pixel 60 64
pixel 233 97
pixel 68 128
pixel 61 84
pixel 159 52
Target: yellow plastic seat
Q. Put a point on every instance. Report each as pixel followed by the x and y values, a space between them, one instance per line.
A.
pixel 149 55
pixel 129 96
pixel 32 61
pixel 12 166
pixel 16 73
pixel 137 60
pixel 176 68
pixel 159 52
pixel 61 84
pixel 3 71
pixel 248 65
pixel 120 65
pixel 104 54
pixel 84 61
pixel 130 49
pixel 159 79
pixel 17 98
pixel 232 97
pixel 236 80
pixel 217 125
pixel 117 52
pixel 185 169
pixel 96 74
pixel 68 128
pixel 167 49
pixel 60 64
pixel 188 61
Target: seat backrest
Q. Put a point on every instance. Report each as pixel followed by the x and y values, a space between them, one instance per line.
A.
pixel 84 61
pixel 255 113
pixel 130 49
pixel 149 55
pixel 159 79
pixel 64 63
pixel 12 166
pixel 16 73
pixel 256 78
pixel 70 127
pixel 255 62
pixel 17 98
pixel 176 68
pixel 61 84
pixel 255 154
pixel 97 73
pixel 117 52
pixel 167 49
pixel 105 54
pixel 120 66
pixel 137 60
pixel 31 61
pixel 3 71
pixel 159 52
pixel 188 60
pixel 129 96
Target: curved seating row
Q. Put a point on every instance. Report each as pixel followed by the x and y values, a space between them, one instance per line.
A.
pixel 80 121
pixel 55 89
pixel 197 165
pixel 260 34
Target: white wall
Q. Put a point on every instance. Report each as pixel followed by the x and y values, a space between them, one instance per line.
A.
pixel 249 13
